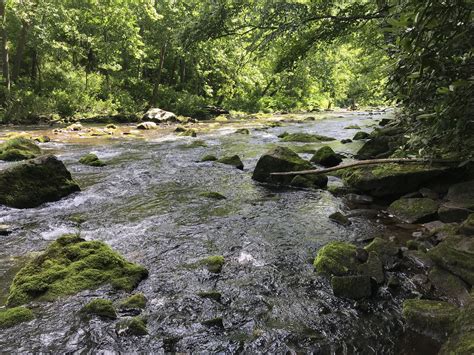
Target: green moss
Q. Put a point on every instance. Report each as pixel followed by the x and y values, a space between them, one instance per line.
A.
pixel 188 133
pixel 326 157
pixel 69 265
pixel 91 160
pixel 213 295
pixel 133 326
pixel 137 300
pixel 10 317
pixel 213 195
pixel 208 157
pixel 213 263
pixel 233 160
pixel 414 210
pixel 304 137
pixel 336 258
pixel 99 307
pixel 430 317
pixel 18 149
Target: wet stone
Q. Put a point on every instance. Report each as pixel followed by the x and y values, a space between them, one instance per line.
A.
pixel 353 287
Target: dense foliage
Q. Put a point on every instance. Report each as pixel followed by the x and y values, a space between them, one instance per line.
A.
pixel 89 57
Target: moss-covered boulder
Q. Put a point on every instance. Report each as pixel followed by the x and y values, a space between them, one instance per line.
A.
pixel 382 247
pixel 135 326
pixel 337 258
pixel 243 131
pixel 42 139
pixel 91 160
pixel 279 159
pixel 467 227
pixel 392 180
pixel 456 254
pixel 339 218
pixel 17 149
pixel 433 318
pixel 414 210
pixel 233 160
pixel 353 287
pixel 69 265
pixel 304 137
pixel 449 286
pixel 326 157
pixel 208 157
pixel 34 182
pixel 213 195
pixel 310 181
pixel 213 263
pixel 10 317
pixel 99 307
pixel 136 301
pixel 461 341
pixel 360 136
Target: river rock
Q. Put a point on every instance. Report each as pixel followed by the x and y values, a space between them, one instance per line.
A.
pixel 75 127
pixel 450 212
pixel 233 160
pixel 462 194
pixel 17 149
pixel 147 125
pixel 456 254
pixel 91 160
pixel 279 159
pixel 326 157
pixel 304 137
pixel 310 181
pixel 461 341
pixel 359 199
pixel 353 287
pixel 158 115
pixel 360 136
pixel 378 147
pixel 467 227
pixel 449 286
pixel 337 258
pixel 373 268
pixel 345 141
pixel 392 180
pixel 414 210
pixel 339 218
pixel 34 182
pixel 432 318
pixel 243 131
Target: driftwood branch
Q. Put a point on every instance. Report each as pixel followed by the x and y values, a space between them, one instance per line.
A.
pixel 367 162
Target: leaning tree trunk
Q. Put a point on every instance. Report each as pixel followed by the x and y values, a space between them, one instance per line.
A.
pixel 4 47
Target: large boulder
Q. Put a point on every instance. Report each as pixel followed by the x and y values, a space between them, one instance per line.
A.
pixel 17 149
pixel 414 210
pixel 326 157
pixel 462 194
pixel 279 159
pixel 393 179
pixel 158 115
pixel 456 254
pixel 34 182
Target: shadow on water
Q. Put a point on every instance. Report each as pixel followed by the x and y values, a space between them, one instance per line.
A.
pixel 147 204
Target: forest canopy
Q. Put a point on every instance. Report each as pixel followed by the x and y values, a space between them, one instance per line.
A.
pixel 89 57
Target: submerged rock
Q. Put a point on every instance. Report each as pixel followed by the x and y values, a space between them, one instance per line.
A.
pixel 433 318
pixel 233 160
pixel 188 133
pixel 208 157
pixel 69 265
pixel 414 210
pixel 133 326
pixel 213 195
pixel 242 131
pixel 353 287
pixel 10 317
pixel 456 254
pixel 91 160
pixel 101 308
pixel 304 137
pixel 147 126
pixel 34 182
pixel 326 157
pixel 158 115
pixel 17 149
pixel 279 159
pixel 310 181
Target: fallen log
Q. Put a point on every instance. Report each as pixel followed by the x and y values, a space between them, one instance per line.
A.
pixel 367 162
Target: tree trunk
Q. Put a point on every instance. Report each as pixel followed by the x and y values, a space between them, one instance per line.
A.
pixel 367 162
pixel 20 51
pixel 4 49
pixel 156 86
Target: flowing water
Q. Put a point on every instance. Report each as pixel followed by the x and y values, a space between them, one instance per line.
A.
pixel 146 204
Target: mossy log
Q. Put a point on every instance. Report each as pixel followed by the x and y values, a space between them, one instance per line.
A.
pixel 366 162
